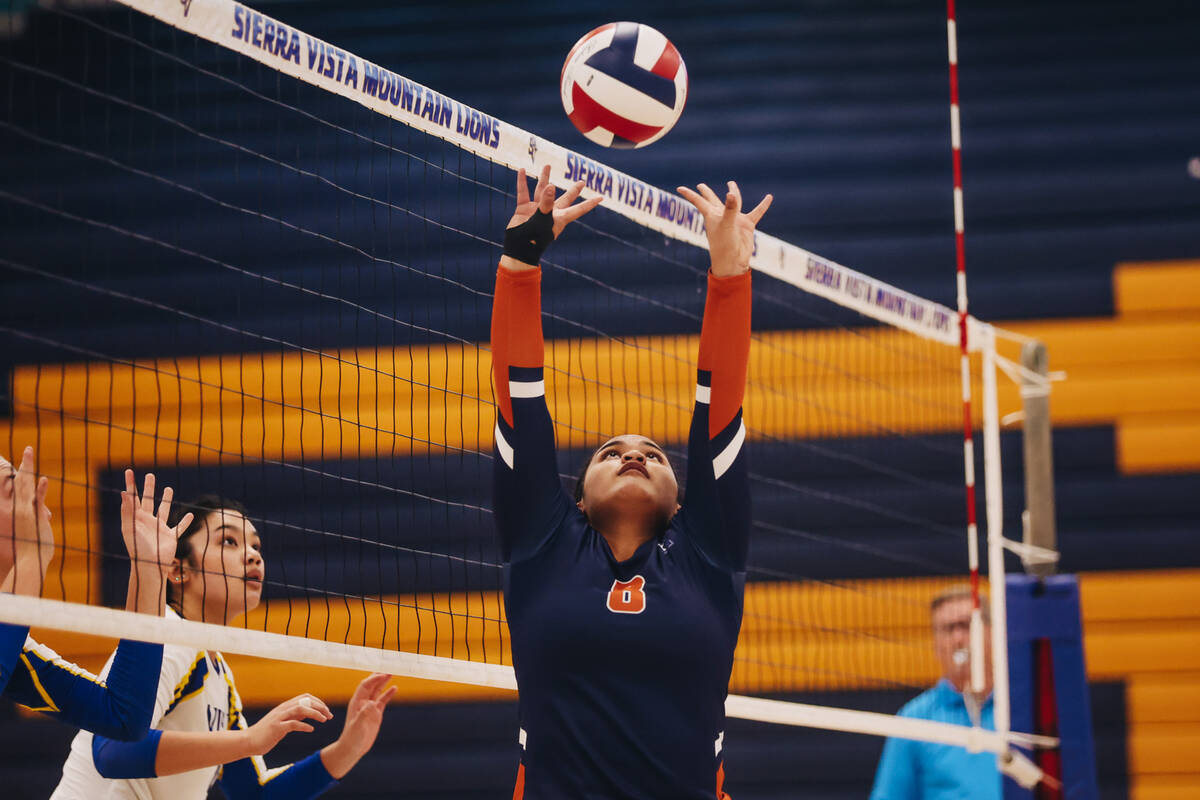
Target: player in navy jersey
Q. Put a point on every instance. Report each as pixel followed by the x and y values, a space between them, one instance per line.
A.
pixel 33 675
pixel 623 605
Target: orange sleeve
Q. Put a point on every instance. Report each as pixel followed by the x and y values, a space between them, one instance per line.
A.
pixel 725 346
pixel 516 329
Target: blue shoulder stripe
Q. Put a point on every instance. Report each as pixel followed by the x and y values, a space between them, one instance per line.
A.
pixel 192 682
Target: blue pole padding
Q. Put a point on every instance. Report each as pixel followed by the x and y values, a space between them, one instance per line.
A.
pixel 1049 609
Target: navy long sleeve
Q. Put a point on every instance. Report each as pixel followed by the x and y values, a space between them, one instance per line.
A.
pixel 12 640
pixel 119 707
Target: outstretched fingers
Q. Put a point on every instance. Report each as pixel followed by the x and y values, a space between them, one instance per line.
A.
pixel 579 209
pixel 693 198
pixel 522 187
pixel 708 194
pixel 544 191
pixel 757 212
pixel 164 507
pixel 733 198
pixel 569 196
pixel 28 465
pixel 148 494
pixel 369 686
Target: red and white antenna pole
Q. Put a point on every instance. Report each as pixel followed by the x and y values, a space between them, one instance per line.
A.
pixel 977 665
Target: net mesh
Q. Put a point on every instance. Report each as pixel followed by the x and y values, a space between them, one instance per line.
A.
pixel 252 287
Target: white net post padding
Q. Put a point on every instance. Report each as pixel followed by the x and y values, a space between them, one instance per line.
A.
pixel 994 504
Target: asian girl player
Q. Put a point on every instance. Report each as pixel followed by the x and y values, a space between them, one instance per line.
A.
pixel 200 735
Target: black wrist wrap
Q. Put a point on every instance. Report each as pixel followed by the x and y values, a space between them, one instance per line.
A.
pixel 528 241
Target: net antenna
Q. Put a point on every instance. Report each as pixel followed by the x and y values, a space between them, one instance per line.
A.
pixel 978 680
pixel 913 330
pixel 1035 391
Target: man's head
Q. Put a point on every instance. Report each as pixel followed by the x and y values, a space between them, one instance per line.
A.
pixel 628 474
pixel 950 615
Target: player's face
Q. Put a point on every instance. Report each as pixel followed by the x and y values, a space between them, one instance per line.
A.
pixel 225 578
pixel 6 519
pixel 629 474
pixel 951 635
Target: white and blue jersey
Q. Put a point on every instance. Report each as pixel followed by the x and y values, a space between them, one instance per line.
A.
pixel 195 692
pixel 622 667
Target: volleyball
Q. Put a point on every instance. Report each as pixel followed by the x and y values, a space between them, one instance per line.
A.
pixel 624 85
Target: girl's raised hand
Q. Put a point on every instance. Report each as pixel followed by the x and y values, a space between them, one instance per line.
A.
pixel 730 232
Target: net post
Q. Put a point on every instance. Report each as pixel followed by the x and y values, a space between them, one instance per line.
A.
pixel 1039 525
pixel 994 506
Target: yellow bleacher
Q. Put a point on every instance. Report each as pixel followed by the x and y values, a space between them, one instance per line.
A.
pixel 1139 371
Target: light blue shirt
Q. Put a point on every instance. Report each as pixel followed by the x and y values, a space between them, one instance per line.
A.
pixel 911 770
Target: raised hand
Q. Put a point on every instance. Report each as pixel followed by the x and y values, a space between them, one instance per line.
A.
pixel 730 232
pixel 538 219
pixel 148 537
pixel 543 200
pixel 150 542
pixel 33 536
pixel 363 718
pixel 283 719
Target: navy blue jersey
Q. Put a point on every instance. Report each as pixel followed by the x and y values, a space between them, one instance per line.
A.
pixel 622 667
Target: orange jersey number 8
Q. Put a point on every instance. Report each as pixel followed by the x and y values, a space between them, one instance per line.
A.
pixel 627 597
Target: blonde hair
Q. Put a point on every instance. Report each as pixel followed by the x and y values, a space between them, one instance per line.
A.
pixel 956 593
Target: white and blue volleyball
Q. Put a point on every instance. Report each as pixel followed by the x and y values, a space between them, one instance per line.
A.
pixel 624 85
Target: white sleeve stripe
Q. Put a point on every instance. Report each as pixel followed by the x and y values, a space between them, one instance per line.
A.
pixel 521 736
pixel 703 394
pixel 526 388
pixel 506 451
pixel 726 457
pixel 45 654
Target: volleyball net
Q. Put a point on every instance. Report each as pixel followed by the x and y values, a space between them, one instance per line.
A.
pixel 260 266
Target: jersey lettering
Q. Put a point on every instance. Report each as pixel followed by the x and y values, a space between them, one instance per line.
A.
pixel 627 597
pixel 217 719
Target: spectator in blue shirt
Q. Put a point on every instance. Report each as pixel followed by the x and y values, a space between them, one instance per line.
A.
pixel 911 770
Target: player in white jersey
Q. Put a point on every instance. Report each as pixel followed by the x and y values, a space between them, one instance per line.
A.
pixel 32 674
pixel 199 735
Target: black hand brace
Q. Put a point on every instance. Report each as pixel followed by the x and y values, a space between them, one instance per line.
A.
pixel 528 241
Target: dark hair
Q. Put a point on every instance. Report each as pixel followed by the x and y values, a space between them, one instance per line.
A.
pixel 201 508
pixel 587 462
